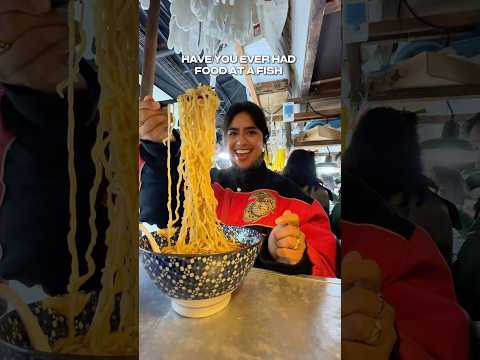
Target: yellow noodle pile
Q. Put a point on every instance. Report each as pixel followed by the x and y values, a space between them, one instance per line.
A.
pixel 200 232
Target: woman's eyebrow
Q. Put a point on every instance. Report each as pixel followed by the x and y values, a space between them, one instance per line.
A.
pixel 245 128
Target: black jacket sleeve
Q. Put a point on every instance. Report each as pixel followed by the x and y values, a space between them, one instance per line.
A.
pixel 154 181
pixel 34 215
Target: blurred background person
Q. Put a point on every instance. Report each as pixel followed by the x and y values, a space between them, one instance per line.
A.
pixel 300 168
pixel 383 189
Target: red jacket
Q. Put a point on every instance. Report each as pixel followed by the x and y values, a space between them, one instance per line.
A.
pixel 416 279
pixel 234 209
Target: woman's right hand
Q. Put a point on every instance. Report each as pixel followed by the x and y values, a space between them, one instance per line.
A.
pixel 152 121
pixel 368 321
pixel 33 45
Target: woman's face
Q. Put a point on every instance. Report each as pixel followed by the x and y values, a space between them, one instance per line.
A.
pixel 244 141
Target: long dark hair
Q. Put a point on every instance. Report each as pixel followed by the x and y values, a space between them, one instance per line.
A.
pixel 385 153
pixel 300 168
pixel 256 113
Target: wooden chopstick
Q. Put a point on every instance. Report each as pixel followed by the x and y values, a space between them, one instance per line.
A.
pixel 150 238
pixel 37 337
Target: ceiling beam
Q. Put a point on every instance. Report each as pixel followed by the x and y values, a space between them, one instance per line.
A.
pixel 407 28
pixel 317 13
pixel 326 81
pixel 333 7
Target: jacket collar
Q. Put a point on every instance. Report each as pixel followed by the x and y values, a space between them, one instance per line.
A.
pixel 247 179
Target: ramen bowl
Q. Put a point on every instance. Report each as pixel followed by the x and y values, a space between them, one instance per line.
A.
pixel 200 285
pixel 15 343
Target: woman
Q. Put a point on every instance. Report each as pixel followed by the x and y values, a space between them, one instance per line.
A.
pixel 248 194
pixel 385 153
pixel 381 170
pixel 300 168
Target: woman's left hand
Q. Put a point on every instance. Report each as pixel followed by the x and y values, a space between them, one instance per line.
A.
pixel 286 242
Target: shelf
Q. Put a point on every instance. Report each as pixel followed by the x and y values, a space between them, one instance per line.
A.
pixel 411 27
pixel 313 98
pixel 316 143
pixel 307 116
pixel 447 92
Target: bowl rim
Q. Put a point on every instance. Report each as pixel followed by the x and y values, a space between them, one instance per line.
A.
pixel 191 256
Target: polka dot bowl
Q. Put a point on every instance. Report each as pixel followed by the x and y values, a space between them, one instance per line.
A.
pixel 15 343
pixel 204 276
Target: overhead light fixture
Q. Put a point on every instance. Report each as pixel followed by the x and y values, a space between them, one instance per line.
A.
pixel 328 167
pixel 449 149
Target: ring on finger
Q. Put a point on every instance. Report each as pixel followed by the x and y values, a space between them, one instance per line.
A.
pixel 5 46
pixel 381 306
pixel 375 334
pixel 297 242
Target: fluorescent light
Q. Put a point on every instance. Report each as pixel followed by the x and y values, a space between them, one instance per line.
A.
pixel 328 170
pixel 223 156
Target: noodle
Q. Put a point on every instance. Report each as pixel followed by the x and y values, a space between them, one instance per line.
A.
pixel 200 232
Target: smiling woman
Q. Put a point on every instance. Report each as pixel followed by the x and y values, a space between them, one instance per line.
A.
pixel 246 134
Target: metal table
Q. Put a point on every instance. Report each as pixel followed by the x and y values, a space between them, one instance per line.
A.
pixel 272 316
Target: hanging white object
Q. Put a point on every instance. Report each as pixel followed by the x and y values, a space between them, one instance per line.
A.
pixel 185 18
pixel 209 24
pixel 213 81
pixel 145 4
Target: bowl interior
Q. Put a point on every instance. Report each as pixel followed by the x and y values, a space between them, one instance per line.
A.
pixel 243 236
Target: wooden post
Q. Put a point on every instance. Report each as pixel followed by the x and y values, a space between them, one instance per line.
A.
pixel 248 78
pixel 150 50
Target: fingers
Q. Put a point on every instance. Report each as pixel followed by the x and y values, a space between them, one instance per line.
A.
pixel 288 231
pixel 289 256
pixel 352 350
pixel 46 43
pixel 288 218
pixel 351 257
pixel 156 135
pixel 16 25
pixel 357 327
pixel 33 7
pixel 149 103
pixel 38 54
pixel 360 300
pixel 361 272
pixel 289 242
pixel 152 118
